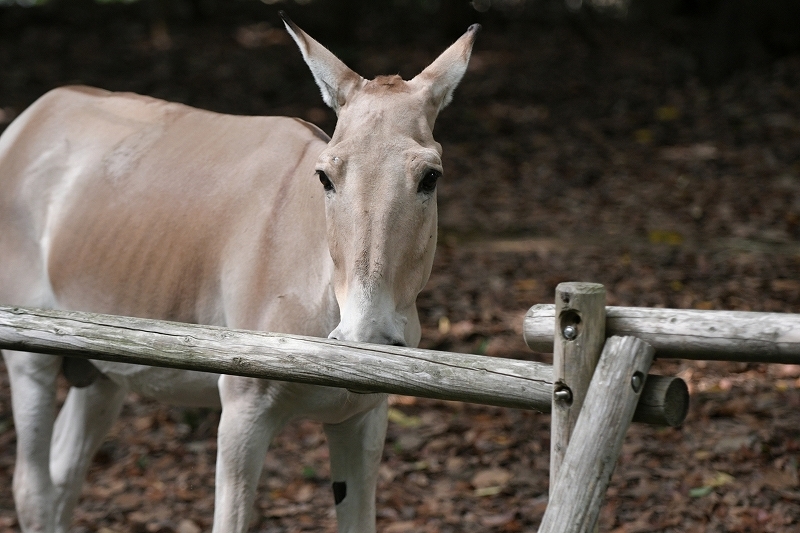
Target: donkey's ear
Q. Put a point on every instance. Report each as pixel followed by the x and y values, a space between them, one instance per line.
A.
pixel 334 78
pixel 443 75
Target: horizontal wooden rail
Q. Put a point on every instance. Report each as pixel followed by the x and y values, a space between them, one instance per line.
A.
pixel 688 333
pixel 356 366
pixel 362 367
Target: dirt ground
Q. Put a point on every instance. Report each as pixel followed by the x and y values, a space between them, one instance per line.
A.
pixel 576 149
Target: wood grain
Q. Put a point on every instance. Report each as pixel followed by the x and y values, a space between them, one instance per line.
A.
pixel 689 333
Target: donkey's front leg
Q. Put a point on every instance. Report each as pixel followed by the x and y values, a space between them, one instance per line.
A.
pixel 249 421
pixel 33 398
pixel 356 447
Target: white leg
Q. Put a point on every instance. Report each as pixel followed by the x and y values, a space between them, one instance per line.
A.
pixel 356 447
pixel 247 425
pixel 80 428
pixel 33 389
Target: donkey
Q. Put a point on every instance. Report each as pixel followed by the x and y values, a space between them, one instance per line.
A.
pixel 124 204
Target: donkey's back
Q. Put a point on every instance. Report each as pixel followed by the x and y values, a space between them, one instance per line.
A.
pixel 125 204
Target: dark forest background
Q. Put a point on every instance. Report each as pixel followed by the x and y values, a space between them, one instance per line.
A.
pixel 652 146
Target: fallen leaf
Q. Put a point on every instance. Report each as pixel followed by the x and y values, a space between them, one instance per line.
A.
pixel 187 526
pixel 401 527
pixel 488 491
pixel 719 479
pixel 401 419
pixel 491 477
pixel 781 479
pixel 695 152
pixel 699 492
pixel 498 520
pixel 672 238
pixel 667 113
pixel 643 136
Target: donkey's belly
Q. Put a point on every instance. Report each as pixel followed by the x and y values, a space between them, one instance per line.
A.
pixel 177 387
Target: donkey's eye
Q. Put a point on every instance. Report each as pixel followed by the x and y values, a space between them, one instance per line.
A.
pixel 428 182
pixel 326 182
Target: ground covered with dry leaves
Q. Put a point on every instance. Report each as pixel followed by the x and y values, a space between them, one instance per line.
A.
pixel 575 150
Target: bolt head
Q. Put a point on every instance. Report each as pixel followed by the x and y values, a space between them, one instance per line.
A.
pixel 637 381
pixel 570 332
pixel 564 395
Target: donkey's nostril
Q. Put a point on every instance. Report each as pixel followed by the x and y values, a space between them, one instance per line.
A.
pixel 397 343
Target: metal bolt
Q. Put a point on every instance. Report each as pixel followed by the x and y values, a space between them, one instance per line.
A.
pixel 565 395
pixel 637 381
pixel 570 332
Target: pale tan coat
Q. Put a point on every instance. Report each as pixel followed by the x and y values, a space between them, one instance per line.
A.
pixel 124 204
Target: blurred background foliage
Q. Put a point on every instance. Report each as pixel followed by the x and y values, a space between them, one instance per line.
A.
pixel 730 32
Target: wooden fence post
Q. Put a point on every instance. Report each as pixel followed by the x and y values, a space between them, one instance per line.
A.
pixel 577 493
pixel 580 334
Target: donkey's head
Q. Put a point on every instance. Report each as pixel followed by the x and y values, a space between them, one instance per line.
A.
pixel 379 173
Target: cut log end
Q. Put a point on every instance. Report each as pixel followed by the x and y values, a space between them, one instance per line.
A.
pixel 664 401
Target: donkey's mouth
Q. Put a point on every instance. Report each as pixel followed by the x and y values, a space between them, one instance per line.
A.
pixel 372 331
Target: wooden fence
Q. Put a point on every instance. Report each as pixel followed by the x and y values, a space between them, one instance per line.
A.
pixel 601 357
pixel 598 383
pixel 356 366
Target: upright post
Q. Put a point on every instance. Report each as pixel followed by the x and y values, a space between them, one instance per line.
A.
pixel 578 342
pixel 577 493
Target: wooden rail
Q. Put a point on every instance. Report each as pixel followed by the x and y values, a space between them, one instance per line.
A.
pixel 688 333
pixel 356 366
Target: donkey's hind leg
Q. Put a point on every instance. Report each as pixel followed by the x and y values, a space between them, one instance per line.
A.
pixel 33 397
pixel 80 428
